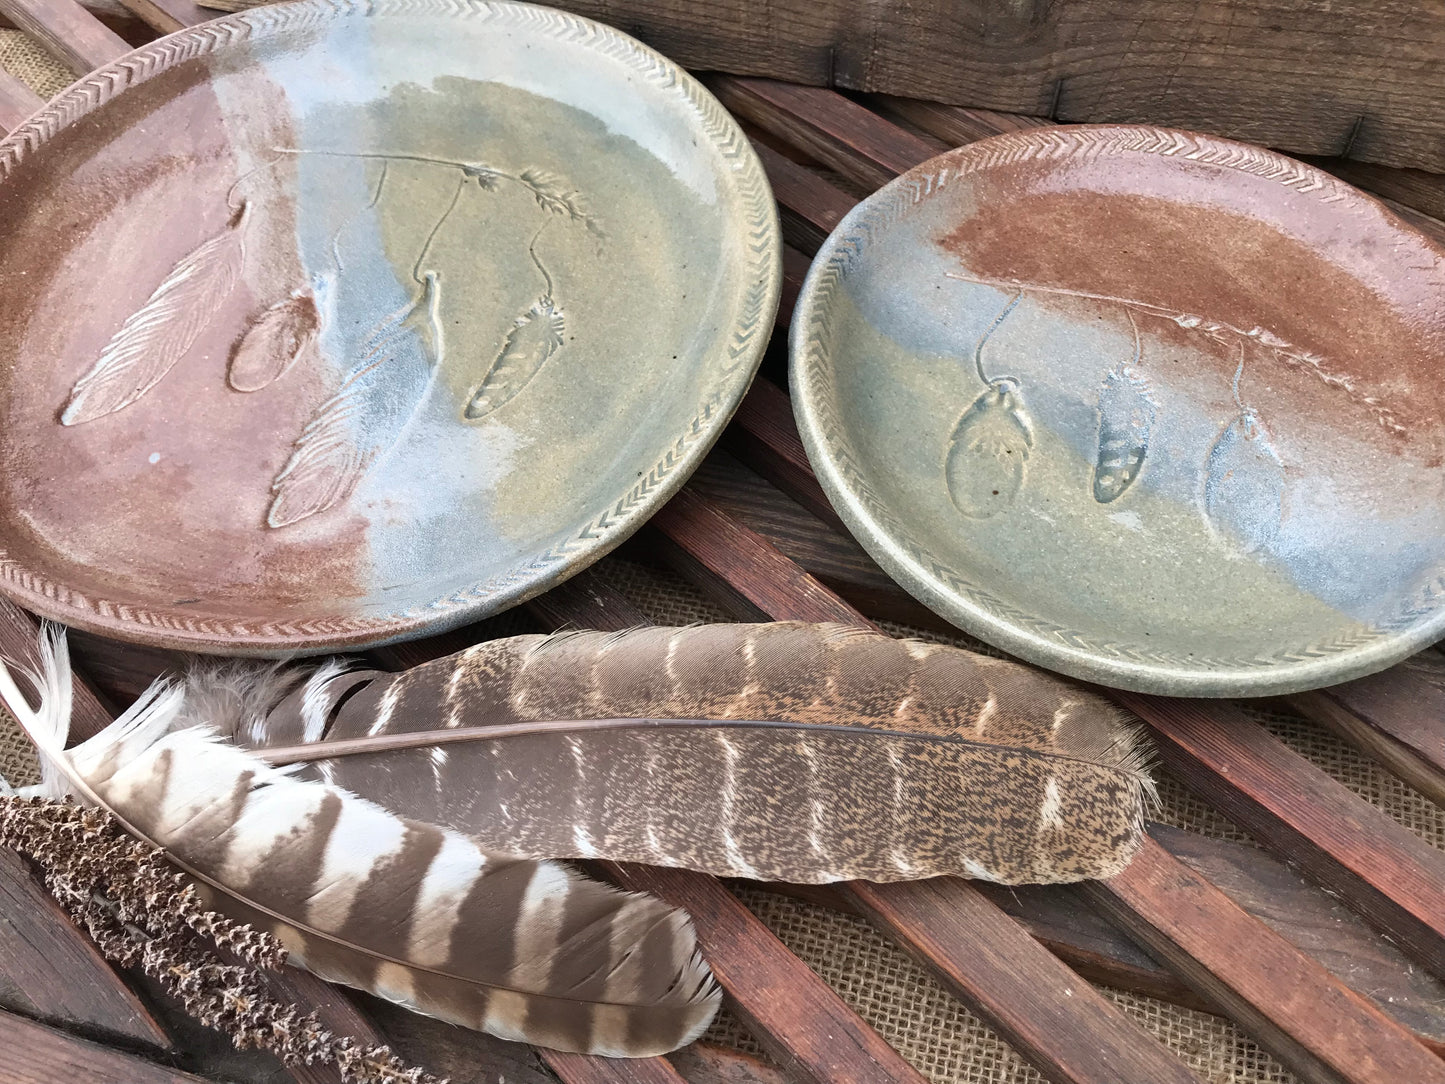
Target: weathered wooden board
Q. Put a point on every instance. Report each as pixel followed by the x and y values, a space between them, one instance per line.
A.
pixel 1306 1017
pixel 17 101
pixel 1356 78
pixel 58 971
pixel 36 1054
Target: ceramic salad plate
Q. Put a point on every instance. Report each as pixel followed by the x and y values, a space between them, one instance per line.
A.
pixel 1149 408
pixel 330 323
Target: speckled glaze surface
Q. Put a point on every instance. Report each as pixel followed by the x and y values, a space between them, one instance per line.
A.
pixel 332 323
pixel 1149 408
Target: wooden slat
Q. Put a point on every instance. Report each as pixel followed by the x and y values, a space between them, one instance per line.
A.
pixel 67 31
pixel 790 181
pixel 1394 717
pixel 581 1069
pixel 1361 78
pixel 1319 924
pixel 1305 1016
pixel 1062 919
pixel 1389 875
pixel 36 1054
pixel 836 131
pixel 61 973
pixel 764 419
pixel 951 124
pixel 17 101
pixel 168 16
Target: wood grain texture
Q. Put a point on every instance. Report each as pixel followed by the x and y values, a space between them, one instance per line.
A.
pixel 17 101
pixel 1315 1024
pixel 1394 717
pixel 168 16
pixel 581 1069
pixel 1358 78
pixel 1316 922
pixel 36 1054
pixel 704 1063
pixel 67 31
pixel 764 419
pixel 1389 875
pixel 62 975
pixel 830 128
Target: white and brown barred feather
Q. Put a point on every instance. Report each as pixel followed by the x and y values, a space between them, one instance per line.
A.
pixel 850 754
pixel 402 908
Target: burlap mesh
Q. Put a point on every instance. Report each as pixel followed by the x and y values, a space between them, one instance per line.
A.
pixel 912 1011
pixel 29 63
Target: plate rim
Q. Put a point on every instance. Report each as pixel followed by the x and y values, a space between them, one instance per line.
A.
pixel 884 535
pixel 605 528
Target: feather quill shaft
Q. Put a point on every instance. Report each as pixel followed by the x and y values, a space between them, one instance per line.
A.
pixel 791 752
pixel 404 909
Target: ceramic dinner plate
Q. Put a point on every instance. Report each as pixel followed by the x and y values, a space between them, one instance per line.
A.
pixel 328 324
pixel 1149 408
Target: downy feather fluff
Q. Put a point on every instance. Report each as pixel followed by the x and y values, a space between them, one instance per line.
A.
pixel 804 753
pixel 162 331
pixel 398 907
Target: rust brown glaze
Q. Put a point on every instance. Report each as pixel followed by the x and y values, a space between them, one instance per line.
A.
pixel 1148 407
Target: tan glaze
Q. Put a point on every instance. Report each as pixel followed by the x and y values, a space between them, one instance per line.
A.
pixel 1151 408
pixel 416 361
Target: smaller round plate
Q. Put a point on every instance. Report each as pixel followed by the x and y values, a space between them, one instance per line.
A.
pixel 1149 408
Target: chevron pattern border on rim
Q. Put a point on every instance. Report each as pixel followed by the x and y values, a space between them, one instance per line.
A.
pixel 602 530
pixel 910 191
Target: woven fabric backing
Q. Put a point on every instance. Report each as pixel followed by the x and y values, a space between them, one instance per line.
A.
pixel 22 58
pixel 923 1021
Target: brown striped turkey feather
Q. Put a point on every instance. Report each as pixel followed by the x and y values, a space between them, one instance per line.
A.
pixel 794 752
pixel 405 909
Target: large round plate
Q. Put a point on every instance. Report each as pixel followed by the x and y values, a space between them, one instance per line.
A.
pixel 334 323
pixel 1149 408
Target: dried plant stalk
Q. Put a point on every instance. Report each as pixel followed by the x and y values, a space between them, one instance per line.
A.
pixel 142 913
